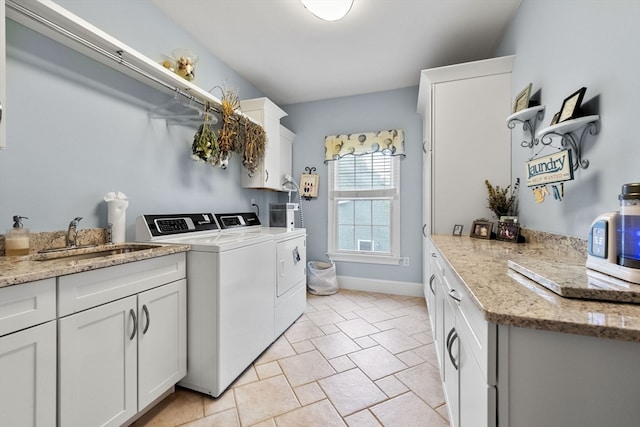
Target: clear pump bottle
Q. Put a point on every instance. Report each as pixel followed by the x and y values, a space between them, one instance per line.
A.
pixel 16 241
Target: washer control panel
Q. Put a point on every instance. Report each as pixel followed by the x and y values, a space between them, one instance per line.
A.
pixel 148 226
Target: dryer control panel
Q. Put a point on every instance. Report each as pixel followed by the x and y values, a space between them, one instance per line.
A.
pixel 235 220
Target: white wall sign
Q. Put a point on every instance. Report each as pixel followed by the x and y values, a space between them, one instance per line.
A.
pixel 556 167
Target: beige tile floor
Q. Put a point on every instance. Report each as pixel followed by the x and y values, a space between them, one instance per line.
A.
pixel 352 359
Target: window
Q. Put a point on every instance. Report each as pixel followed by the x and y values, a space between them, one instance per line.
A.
pixel 364 208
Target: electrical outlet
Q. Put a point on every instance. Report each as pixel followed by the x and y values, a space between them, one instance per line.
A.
pixel 405 261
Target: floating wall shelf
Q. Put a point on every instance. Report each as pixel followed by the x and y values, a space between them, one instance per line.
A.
pixel 57 23
pixel 529 117
pixel 585 125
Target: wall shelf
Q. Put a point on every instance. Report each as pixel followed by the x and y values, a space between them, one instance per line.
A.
pixel 529 117
pixel 57 23
pixel 565 130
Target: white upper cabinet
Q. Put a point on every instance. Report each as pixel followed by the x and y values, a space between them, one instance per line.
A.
pixel 270 172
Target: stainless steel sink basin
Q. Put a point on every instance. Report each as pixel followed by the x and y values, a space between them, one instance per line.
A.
pixel 80 253
pixel 65 249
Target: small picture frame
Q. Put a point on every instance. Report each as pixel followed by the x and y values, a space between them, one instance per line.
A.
pixel 481 229
pixel 505 218
pixel 571 105
pixel 309 185
pixel 508 231
pixel 555 119
pixel 457 230
pixel 522 100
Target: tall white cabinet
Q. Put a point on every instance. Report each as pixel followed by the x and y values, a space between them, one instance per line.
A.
pixel 465 142
pixel 465 139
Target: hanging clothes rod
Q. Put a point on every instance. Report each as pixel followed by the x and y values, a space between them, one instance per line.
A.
pixel 117 56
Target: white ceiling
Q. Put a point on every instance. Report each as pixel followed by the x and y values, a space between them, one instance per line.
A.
pixel 292 56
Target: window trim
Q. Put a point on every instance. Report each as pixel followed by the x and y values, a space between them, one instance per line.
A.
pixel 392 258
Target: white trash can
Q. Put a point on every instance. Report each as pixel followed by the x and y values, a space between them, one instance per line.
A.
pixel 321 278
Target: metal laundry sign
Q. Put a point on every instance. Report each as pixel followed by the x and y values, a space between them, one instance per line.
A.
pixel 556 167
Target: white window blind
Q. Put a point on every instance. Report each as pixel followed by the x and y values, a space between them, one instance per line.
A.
pixel 364 208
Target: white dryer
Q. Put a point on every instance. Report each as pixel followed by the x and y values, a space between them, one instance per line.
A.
pixel 291 278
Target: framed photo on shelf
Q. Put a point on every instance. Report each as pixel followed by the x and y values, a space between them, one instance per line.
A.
pixel 457 230
pixel 522 100
pixel 481 229
pixel 555 119
pixel 571 105
pixel 508 231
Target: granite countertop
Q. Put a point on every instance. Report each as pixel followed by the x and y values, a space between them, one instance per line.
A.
pixel 507 297
pixel 17 270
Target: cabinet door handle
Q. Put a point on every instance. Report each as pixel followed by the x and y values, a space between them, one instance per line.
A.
pixel 146 313
pixel 433 255
pixel 132 312
pixel 453 336
pixel 454 296
pixel 0 112
pixel 431 279
pixel 424 146
pixel 423 227
pixel 266 173
pixel 451 332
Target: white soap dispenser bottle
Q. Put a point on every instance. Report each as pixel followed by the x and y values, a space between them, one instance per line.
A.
pixel 16 241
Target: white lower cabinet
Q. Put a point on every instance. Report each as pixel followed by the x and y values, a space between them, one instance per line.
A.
pixel 162 340
pixel 476 399
pixel 118 356
pixel 98 355
pixel 28 354
pixel 450 361
pixel 506 375
pixel 28 377
pixel 464 342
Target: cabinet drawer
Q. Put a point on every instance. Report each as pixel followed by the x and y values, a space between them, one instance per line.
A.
pixel 77 292
pixel 28 304
pixel 481 335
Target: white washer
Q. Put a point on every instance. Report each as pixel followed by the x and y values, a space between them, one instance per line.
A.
pixel 230 294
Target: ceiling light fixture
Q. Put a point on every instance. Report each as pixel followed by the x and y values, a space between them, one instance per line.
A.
pixel 329 10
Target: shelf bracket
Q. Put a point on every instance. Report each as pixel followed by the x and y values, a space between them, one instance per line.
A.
pixel 528 126
pixel 568 140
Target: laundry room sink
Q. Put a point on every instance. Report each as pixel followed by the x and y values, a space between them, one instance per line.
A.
pixel 100 251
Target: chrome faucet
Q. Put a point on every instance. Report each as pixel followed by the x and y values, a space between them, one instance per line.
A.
pixel 72 232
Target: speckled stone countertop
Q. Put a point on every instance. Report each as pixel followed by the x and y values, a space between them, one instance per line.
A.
pixel 35 266
pixel 507 297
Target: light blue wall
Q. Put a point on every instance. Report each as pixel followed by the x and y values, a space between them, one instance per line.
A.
pixel 77 129
pixel 560 46
pixel 312 121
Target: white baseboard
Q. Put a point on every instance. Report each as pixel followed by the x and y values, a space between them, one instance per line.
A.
pixel 383 286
